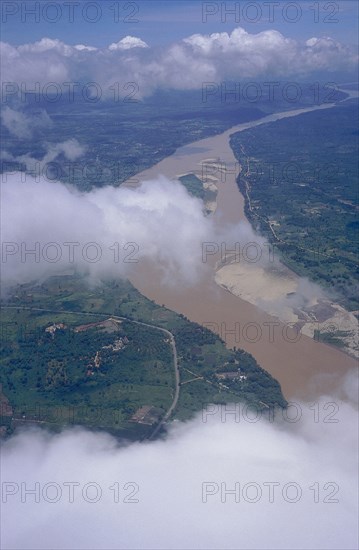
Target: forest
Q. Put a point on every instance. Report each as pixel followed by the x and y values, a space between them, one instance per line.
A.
pixel 62 364
pixel 300 183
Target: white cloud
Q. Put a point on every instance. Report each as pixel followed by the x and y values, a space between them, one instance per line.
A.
pixel 42 62
pixel 166 224
pixel 71 149
pixel 185 64
pixel 318 459
pixel 22 125
pixel 127 43
pixel 46 44
pixel 83 47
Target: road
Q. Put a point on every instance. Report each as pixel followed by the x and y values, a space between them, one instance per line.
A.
pixel 173 405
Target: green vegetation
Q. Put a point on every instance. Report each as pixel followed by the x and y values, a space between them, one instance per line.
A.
pixel 80 377
pixel 332 338
pixel 193 185
pixel 130 137
pixel 65 360
pixel 300 183
pixel 195 188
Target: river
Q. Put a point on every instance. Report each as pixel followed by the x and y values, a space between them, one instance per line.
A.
pixel 304 367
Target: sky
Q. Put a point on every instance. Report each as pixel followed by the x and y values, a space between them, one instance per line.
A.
pixel 165 21
pixel 177 483
pixel 175 45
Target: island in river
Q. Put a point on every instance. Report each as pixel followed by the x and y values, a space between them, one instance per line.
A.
pixel 304 365
pixel 94 378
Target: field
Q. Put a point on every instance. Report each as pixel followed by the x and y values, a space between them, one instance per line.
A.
pixel 131 136
pixel 300 183
pixel 66 360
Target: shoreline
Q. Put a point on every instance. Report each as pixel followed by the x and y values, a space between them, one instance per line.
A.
pixel 306 368
pixel 332 318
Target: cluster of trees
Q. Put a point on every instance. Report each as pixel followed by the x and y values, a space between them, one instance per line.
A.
pixel 296 180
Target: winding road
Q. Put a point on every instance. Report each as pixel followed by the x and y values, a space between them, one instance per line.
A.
pixel 173 405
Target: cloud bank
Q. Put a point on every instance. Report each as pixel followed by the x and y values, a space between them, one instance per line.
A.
pixel 183 65
pixel 172 494
pixel 104 233
pixel 50 228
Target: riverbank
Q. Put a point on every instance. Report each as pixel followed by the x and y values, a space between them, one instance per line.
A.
pixel 294 301
pixel 304 367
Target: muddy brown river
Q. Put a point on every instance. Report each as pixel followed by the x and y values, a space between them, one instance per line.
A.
pixel 304 367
